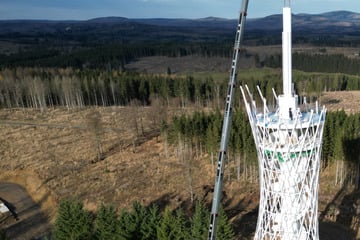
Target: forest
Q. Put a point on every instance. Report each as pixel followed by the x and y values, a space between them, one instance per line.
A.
pixel 139 223
pixel 115 56
pixel 341 142
pixel 43 88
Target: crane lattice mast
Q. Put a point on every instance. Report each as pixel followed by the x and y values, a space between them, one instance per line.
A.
pixel 227 122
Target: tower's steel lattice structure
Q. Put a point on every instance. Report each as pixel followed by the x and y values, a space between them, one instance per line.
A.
pixel 288 141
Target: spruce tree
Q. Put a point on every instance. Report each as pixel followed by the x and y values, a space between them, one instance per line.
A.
pixel 138 216
pixel 150 223
pixel 124 226
pixel 173 226
pixel 73 222
pixel 199 222
pixel 130 222
pixel 224 229
pixel 165 229
pixel 180 226
pixel 106 224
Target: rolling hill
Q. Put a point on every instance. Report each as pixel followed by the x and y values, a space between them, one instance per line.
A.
pixel 343 20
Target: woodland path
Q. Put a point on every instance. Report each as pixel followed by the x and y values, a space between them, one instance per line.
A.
pixel 28 221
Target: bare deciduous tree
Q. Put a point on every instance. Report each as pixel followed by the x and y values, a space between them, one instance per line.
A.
pixel 95 124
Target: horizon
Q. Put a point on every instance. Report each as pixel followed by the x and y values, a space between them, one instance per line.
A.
pixel 215 17
pixel 173 9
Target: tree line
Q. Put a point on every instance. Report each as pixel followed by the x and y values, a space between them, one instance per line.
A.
pixel 341 140
pixel 341 144
pixel 73 222
pixel 325 63
pixel 41 88
pixel 204 132
pixel 109 56
pixel 114 56
pixel 300 36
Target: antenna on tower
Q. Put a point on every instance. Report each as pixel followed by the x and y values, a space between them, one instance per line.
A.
pixel 286 50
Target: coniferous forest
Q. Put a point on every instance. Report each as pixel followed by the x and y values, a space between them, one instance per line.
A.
pixel 74 222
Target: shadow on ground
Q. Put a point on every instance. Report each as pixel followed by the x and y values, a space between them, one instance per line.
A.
pixel 29 222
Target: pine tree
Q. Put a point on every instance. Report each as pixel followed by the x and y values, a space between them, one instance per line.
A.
pixel 165 229
pixel 106 224
pixel 199 222
pixel 224 229
pixel 173 226
pixel 138 215
pixel 150 223
pixel 328 138
pixel 73 222
pixel 180 226
pixel 125 227
pixel 130 222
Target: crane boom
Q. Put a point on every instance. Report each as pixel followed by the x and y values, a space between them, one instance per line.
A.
pixel 227 122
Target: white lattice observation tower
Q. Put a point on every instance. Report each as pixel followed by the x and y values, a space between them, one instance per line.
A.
pixel 288 142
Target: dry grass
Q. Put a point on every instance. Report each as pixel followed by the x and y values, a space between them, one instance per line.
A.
pixel 53 154
pixel 185 65
pixel 60 153
pixel 349 101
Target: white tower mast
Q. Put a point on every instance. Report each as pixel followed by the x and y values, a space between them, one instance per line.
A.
pixel 288 142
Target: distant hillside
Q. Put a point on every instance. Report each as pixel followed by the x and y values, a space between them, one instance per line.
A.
pixel 119 39
pixel 344 20
pixel 310 21
pixel 329 20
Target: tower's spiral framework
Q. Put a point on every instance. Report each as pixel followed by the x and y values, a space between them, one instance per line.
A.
pixel 288 142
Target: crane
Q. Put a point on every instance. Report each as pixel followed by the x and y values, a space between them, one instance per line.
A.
pixel 226 123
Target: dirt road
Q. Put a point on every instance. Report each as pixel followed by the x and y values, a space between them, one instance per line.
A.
pixel 27 221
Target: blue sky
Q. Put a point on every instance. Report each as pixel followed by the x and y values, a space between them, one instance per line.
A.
pixel 87 9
